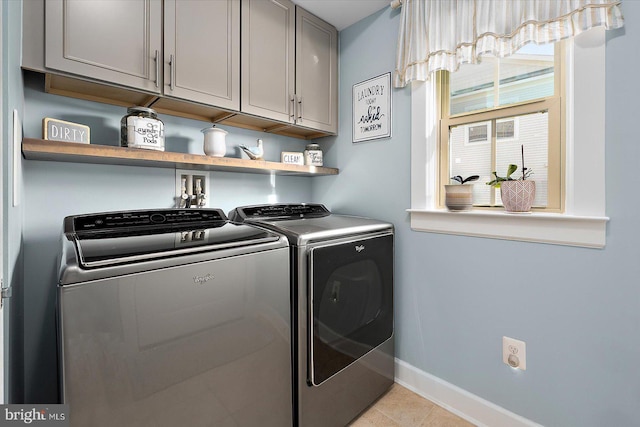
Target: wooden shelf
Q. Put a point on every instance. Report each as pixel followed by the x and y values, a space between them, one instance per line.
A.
pixel 39 149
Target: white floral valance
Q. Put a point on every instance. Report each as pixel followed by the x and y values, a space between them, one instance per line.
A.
pixel 442 34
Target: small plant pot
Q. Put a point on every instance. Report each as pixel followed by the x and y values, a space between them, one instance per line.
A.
pixel 517 196
pixel 458 197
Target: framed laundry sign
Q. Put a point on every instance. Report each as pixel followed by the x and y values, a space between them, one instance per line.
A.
pixel 371 105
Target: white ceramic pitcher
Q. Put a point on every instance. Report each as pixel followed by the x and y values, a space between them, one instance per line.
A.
pixel 214 141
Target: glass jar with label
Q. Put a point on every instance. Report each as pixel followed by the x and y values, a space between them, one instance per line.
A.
pixel 141 128
pixel 313 155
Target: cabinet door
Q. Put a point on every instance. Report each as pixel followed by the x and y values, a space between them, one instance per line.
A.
pixel 316 73
pixel 117 41
pixel 202 51
pixel 268 49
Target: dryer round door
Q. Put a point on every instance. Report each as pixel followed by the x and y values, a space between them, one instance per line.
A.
pixel 351 290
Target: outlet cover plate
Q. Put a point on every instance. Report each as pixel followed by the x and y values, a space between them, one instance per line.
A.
pixel 517 349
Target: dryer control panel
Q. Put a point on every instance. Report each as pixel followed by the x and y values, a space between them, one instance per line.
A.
pixel 283 211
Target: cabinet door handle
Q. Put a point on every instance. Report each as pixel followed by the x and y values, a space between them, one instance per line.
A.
pixel 157 59
pixel 171 72
pixel 292 109
pixel 299 119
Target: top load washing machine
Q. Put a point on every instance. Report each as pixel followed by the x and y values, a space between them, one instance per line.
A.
pixel 174 317
pixel 342 287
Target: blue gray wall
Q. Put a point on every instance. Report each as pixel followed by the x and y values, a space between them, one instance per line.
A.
pixel 577 309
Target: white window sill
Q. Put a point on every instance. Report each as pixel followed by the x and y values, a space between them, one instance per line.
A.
pixel 559 229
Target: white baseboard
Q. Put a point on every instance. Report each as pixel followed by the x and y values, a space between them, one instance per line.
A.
pixel 456 400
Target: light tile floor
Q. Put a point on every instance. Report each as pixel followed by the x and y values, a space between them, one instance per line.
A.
pixel 400 407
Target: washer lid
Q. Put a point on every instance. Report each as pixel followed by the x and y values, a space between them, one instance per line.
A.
pixel 114 238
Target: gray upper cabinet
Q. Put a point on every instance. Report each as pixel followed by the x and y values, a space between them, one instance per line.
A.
pixel 289 65
pixel 268 52
pixel 316 73
pixel 118 42
pixel 202 51
pixel 266 65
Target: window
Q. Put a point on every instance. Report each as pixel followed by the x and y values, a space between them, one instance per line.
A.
pixel 506 129
pixel 477 132
pixel 582 221
pixel 481 132
pixel 492 109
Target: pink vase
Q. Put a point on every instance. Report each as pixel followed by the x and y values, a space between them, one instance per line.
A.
pixel 517 196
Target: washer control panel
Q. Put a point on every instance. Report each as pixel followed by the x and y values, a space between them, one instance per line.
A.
pixel 169 218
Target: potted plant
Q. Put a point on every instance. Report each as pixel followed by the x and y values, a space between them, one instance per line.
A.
pixel 459 197
pixel 517 194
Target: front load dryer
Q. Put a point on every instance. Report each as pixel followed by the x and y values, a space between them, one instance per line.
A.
pixel 342 287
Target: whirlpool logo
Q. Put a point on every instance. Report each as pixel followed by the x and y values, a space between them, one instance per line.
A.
pixel 202 279
pixel 359 248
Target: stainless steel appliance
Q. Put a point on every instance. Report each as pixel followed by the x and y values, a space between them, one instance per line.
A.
pixel 174 317
pixel 342 285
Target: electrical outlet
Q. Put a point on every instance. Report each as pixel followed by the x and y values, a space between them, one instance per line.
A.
pixel 192 189
pixel 514 353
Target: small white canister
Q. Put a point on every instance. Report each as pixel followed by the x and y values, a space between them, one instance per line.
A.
pixel 313 155
pixel 214 142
